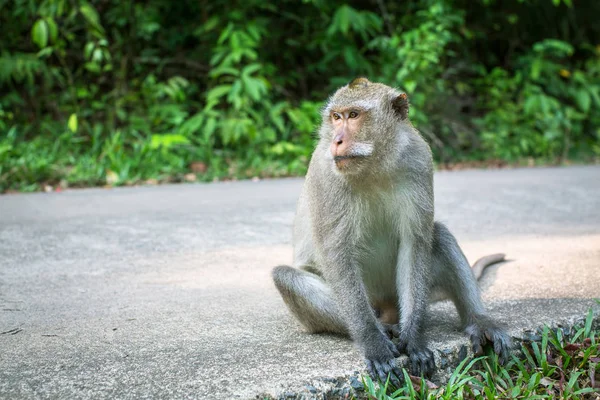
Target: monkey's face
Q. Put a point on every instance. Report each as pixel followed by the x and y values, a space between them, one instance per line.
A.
pixel 349 147
pixel 361 125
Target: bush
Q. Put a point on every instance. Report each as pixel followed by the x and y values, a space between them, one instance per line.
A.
pixel 103 91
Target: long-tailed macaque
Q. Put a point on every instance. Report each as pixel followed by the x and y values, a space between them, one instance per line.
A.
pixel 365 241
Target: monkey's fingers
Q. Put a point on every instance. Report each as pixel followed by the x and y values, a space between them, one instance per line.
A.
pixel 396 377
pixel 430 362
pixel 401 346
pixel 481 335
pixel 392 347
pixel 387 370
pixel 383 370
pixel 478 340
pixel 476 346
pixel 376 371
pixel 502 346
pixel 422 362
pixel 371 369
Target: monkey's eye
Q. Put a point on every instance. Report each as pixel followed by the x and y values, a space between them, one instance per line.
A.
pixel 336 116
pixel 353 114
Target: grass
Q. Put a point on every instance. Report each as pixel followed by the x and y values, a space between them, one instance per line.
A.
pixel 557 366
pixel 71 160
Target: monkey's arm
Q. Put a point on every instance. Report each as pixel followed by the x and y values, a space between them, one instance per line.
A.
pixel 413 269
pixel 412 283
pixel 343 275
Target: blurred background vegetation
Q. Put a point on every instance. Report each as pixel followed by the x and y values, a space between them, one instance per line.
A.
pixel 118 92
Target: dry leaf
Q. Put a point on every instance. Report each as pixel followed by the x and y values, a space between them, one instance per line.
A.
pixel 416 381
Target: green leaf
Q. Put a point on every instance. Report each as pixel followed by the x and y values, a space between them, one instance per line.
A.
pixel 410 86
pixel 167 140
pixel 72 124
pixel 45 52
pixel 251 86
pixel 39 33
pixel 90 14
pixel 88 49
pixel 341 20
pixel 532 104
pixel 223 70
pixel 536 68
pixel 5 148
pixel 97 55
pixel 225 33
pixel 583 100
pixel 52 29
pixel 250 69
pixel 218 92
pixel 209 128
pixel 588 323
pixel 92 67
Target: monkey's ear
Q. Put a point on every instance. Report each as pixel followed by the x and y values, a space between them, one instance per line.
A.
pixel 400 105
pixel 359 82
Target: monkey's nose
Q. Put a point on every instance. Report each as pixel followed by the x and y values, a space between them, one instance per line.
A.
pixel 338 145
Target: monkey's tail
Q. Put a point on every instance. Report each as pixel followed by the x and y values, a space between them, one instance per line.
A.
pixel 481 264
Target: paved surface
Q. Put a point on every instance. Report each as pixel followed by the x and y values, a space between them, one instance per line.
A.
pixel 164 292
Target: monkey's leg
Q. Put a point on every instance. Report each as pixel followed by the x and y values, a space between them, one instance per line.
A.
pixel 312 302
pixel 309 299
pixel 412 283
pixel 452 273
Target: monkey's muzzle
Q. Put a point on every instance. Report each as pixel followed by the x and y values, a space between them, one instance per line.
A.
pixel 344 161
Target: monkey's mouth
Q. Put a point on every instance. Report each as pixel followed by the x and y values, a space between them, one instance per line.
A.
pixel 348 157
pixel 342 162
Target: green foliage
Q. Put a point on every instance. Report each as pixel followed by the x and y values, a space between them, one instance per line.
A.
pixel 556 366
pixel 552 105
pixel 108 92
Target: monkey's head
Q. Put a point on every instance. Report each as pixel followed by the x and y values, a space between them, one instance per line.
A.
pixel 361 121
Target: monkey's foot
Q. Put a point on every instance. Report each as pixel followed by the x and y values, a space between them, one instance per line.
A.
pixel 483 331
pixel 421 358
pixel 381 361
pixel 381 370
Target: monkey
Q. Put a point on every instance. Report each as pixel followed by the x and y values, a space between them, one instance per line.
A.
pixel 366 242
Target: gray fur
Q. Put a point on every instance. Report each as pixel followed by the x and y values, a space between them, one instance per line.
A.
pixel 366 238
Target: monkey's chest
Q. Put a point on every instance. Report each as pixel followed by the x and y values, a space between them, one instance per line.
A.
pixel 378 255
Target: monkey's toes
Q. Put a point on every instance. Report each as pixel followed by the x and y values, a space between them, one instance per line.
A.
pixel 382 370
pixel 392 347
pixel 422 362
pixel 482 335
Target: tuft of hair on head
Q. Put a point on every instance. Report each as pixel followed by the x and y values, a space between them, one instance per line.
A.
pixel 359 82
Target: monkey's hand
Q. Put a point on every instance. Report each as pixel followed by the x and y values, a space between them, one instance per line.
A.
pixel 380 357
pixel 484 330
pixel 421 358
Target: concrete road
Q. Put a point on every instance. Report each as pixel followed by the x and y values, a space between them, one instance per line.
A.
pixel 164 292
